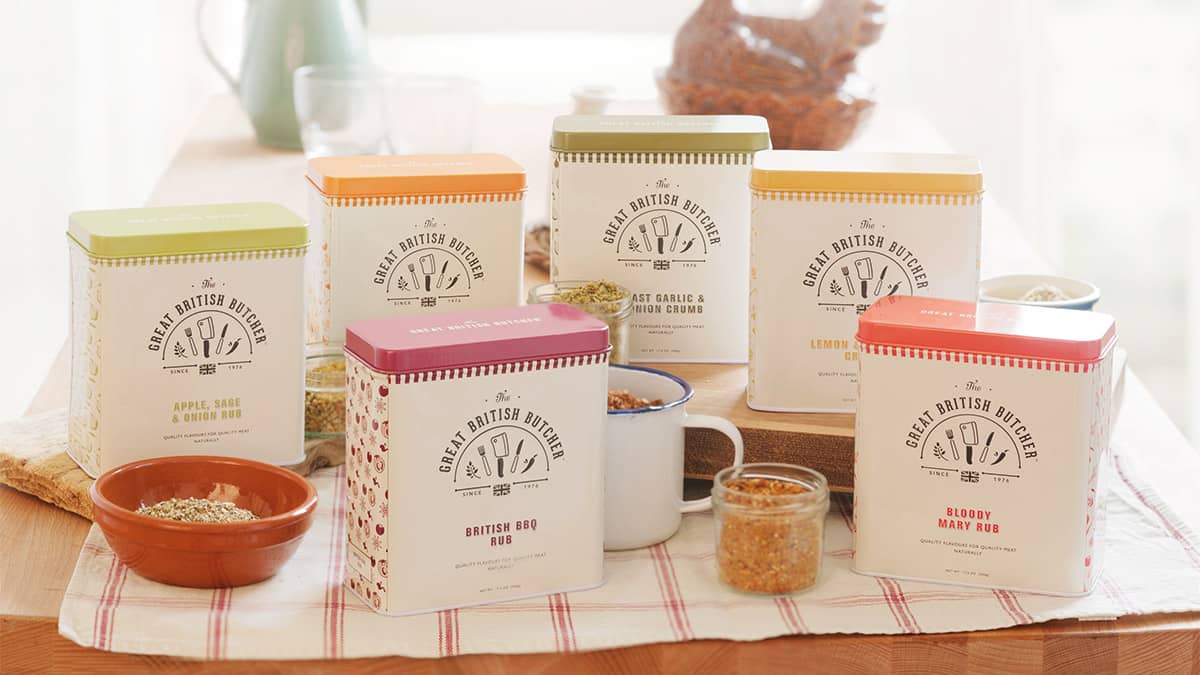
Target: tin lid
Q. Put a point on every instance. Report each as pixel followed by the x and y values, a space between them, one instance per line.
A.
pixel 988 328
pixel 435 341
pixel 179 230
pixel 660 133
pixel 824 171
pixel 365 175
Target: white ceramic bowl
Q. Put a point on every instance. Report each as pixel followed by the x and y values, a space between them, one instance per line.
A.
pixel 1010 288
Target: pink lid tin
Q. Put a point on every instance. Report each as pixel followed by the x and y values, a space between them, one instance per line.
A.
pixel 435 341
pixel 988 328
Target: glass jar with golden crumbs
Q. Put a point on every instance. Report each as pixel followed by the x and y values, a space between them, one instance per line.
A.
pixel 770 526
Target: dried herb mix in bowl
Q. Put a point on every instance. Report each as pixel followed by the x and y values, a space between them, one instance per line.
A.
pixel 197 510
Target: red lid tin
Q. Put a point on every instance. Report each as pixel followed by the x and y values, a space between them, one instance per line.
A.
pixel 436 341
pixel 988 328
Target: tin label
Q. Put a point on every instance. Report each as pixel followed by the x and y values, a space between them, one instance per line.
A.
pixel 818 265
pixel 674 235
pixel 476 489
pixel 994 464
pixel 395 259
pixel 205 362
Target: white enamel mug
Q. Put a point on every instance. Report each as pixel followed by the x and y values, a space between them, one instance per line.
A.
pixel 643 499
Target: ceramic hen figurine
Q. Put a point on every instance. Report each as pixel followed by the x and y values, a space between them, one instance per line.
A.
pixel 798 73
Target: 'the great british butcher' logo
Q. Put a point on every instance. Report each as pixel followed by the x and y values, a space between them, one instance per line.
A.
pixel 972 438
pixel 209 330
pixel 501 449
pixel 429 269
pixel 662 229
pixel 858 269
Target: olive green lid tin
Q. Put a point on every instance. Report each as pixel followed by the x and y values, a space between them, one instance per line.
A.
pixel 187 334
pixel 182 230
pixel 660 133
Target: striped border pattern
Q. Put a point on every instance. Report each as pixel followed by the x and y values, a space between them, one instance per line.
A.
pixel 920 199
pixel 504 368
pixel 222 256
pixel 725 158
pixel 411 200
pixel 978 359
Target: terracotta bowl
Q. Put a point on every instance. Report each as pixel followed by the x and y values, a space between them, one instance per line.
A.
pixel 203 555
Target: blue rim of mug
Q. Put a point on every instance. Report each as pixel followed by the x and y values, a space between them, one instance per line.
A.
pixel 687 391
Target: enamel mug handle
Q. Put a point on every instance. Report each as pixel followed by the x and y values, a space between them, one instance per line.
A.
pixel 717 424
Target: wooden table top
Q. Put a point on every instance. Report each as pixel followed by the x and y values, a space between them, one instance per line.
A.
pixel 220 162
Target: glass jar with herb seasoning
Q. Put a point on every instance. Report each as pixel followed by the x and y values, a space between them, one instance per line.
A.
pixel 604 300
pixel 770 526
pixel 324 392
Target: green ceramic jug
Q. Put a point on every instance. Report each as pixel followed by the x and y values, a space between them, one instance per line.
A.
pixel 280 36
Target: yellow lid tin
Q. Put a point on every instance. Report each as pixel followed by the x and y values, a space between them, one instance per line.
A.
pixel 823 171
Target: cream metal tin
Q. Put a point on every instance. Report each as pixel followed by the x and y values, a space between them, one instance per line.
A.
pixel 982 443
pixel 187 334
pixel 659 205
pixel 830 234
pixel 475 456
pixel 412 234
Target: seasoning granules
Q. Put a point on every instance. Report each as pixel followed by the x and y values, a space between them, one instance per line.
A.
pixel 623 400
pixel 592 291
pixel 197 510
pixel 770 532
pixel 325 396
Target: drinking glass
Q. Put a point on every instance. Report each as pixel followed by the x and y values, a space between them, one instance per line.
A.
pixel 341 109
pixel 429 114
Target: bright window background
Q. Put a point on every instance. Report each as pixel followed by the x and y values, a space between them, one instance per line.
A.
pixel 1083 112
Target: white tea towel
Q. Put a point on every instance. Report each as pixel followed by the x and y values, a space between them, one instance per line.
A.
pixel 666 593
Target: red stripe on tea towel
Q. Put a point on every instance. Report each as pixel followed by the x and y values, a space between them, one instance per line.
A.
pixel 791 615
pixel 1151 501
pixel 443 631
pixel 112 566
pixel 564 627
pixel 669 589
pixel 448 642
pixel 918 596
pixel 217 622
pixel 1010 603
pixel 898 603
pixel 107 614
pixel 335 589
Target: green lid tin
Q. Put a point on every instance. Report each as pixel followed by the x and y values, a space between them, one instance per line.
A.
pixel 660 133
pixel 180 230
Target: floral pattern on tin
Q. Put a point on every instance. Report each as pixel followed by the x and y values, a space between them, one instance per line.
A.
pixel 366 481
pixel 1098 449
pixel 83 421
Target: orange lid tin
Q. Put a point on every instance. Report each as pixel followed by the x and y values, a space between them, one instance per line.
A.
pixel 369 175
